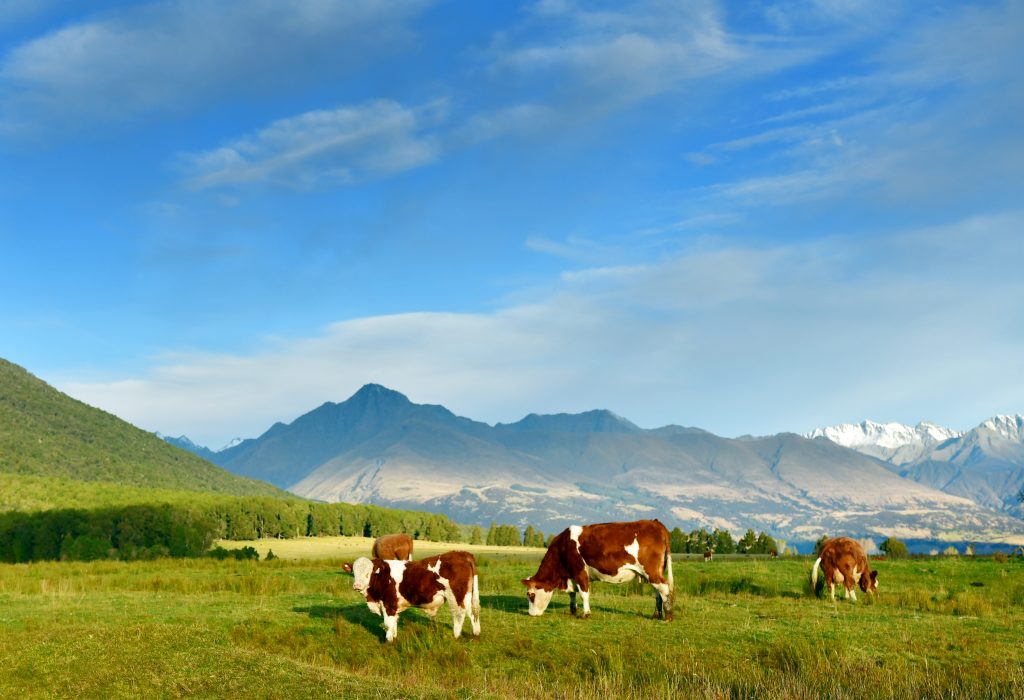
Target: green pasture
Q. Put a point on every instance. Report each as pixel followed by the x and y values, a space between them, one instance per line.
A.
pixel 292 627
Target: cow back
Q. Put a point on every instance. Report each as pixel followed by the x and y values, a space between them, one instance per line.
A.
pixel 397 546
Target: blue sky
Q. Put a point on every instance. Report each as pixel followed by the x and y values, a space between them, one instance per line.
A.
pixel 747 217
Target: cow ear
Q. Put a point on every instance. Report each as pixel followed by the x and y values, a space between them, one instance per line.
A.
pixel 527 582
pixel 347 567
pixel 874 575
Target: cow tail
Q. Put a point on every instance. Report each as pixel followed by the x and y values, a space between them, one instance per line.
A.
pixel 814 576
pixel 668 571
pixel 476 595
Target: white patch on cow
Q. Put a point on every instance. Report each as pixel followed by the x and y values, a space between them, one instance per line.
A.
pixel 574 534
pixel 539 599
pixel 634 549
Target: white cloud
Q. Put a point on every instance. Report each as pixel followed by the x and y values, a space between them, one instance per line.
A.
pixel 344 145
pixel 169 54
pixel 736 339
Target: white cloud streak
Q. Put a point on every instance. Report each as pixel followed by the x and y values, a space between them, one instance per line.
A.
pixel 341 145
pixel 171 54
pixel 918 325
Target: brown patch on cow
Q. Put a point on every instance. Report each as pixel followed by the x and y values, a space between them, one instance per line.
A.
pixel 347 567
pixel 382 587
pixel 397 546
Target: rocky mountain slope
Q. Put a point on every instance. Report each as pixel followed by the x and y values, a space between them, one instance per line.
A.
pixel 378 447
pixel 984 464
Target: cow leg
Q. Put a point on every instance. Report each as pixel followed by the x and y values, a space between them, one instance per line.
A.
pixel 663 601
pixel 571 587
pixel 458 619
pixel 582 582
pixel 390 627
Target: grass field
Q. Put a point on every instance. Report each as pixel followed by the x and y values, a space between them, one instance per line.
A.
pixel 950 628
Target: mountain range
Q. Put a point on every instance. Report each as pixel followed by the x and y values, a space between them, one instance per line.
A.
pixel 546 470
pixel 985 464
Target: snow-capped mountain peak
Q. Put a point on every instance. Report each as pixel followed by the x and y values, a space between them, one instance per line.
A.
pixel 1009 427
pixel 897 443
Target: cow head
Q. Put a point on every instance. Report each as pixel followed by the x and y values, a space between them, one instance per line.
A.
pixel 539 596
pixel 362 568
pixel 869 583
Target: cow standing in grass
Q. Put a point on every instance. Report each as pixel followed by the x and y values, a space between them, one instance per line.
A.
pixel 611 552
pixel 844 561
pixel 393 547
pixel 391 586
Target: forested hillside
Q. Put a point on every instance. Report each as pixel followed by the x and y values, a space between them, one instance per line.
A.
pixel 46 433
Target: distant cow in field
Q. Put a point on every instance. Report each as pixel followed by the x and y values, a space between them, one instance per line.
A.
pixel 397 546
pixel 391 586
pixel 843 560
pixel 708 555
pixel 393 547
pixel 611 552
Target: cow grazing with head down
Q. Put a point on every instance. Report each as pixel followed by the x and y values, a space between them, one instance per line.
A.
pixel 611 552
pixel 843 560
pixel 391 586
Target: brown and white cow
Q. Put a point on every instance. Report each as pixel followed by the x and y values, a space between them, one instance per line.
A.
pixel 611 552
pixel 391 586
pixel 843 560
pixel 397 546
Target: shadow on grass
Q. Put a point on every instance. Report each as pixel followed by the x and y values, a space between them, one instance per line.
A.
pixel 361 615
pixel 506 603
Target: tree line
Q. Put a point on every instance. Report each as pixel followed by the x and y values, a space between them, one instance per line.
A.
pixel 721 542
pixel 179 530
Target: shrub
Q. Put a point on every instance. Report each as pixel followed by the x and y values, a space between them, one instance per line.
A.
pixel 894 549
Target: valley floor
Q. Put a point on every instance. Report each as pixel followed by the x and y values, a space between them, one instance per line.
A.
pixel 294 628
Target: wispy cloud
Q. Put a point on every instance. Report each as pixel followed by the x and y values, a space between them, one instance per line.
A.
pixel 732 338
pixel 342 145
pixel 170 54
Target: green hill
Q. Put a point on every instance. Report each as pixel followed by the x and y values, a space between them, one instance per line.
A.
pixel 44 433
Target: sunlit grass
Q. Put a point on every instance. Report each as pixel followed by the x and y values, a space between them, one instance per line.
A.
pixel 294 628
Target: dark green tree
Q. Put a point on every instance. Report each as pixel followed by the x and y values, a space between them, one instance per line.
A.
pixel 724 543
pixel 894 549
pixel 747 542
pixel 677 540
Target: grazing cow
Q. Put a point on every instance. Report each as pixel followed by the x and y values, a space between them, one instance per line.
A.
pixel 611 552
pixel 844 561
pixel 391 586
pixel 708 555
pixel 393 547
